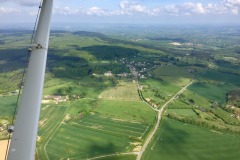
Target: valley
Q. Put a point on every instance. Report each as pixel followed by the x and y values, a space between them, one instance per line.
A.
pixel 156 93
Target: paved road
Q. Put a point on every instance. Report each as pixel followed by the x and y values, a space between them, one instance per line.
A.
pixel 159 120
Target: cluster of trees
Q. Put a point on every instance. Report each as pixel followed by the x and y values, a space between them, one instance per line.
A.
pixel 203 123
pixel 158 94
pixel 233 97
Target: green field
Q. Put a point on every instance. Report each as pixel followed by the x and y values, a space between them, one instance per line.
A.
pixel 212 92
pixel 50 120
pixel 94 136
pixel 113 126
pixel 50 116
pixel 173 74
pixel 63 133
pixel 178 141
pixel 203 101
pixel 127 110
pixel 222 77
pixel 125 91
pixel 7 106
pixel 89 87
pixel 177 104
pixel 158 91
pixel 82 105
pixel 182 112
pixel 71 88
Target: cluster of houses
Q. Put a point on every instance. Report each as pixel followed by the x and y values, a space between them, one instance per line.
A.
pixel 109 74
pixel 140 69
pixel 236 111
pixel 55 99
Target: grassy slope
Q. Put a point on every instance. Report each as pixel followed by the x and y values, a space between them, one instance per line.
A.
pixel 182 112
pixel 126 92
pixel 212 92
pixel 127 110
pixel 173 74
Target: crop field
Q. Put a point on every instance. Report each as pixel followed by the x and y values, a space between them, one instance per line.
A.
pixel 94 136
pixel 176 140
pixel 173 74
pixel 126 92
pixel 114 126
pixel 50 118
pixel 50 114
pixel 127 110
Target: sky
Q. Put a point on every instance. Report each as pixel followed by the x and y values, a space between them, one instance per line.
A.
pixel 126 11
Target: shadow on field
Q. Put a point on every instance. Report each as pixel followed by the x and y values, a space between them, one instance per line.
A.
pixel 98 149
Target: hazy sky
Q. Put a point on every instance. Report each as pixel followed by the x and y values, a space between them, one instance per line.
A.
pixel 126 11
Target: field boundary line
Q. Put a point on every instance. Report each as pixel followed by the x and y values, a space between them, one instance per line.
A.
pixel 145 131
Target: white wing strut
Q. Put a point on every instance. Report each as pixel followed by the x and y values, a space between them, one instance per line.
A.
pixel 23 142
